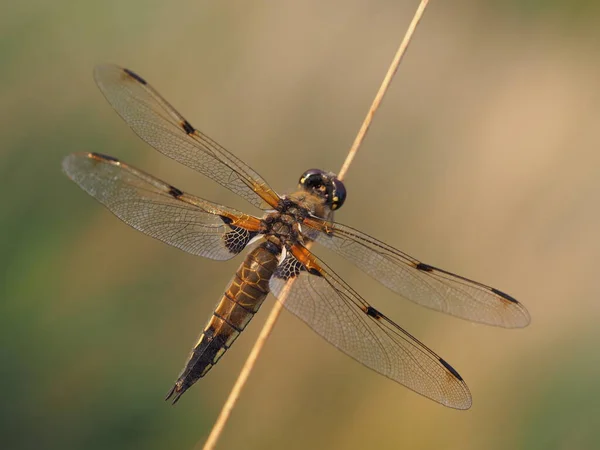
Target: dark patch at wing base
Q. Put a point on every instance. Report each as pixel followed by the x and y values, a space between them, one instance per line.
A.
pixel 236 239
pixel 158 209
pixel 289 268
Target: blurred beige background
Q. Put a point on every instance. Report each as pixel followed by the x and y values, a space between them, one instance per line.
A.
pixel 483 160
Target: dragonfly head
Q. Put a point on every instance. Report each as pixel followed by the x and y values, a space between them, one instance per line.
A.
pixel 324 185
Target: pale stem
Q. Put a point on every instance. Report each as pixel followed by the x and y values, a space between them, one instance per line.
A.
pixel 278 306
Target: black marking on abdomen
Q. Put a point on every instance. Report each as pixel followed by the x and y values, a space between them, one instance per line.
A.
pixel 224 319
pixel 106 157
pixel 272 248
pixel 187 127
pixel 424 267
pixel 232 299
pixel 504 296
pixel 372 312
pixel 135 76
pixel 174 192
pixel 451 369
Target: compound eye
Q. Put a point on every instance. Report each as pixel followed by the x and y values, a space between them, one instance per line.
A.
pixel 338 195
pixel 312 178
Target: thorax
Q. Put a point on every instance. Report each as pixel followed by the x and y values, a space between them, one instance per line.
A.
pixel 283 225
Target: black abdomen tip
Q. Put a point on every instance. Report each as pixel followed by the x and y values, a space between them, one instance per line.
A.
pixel 177 392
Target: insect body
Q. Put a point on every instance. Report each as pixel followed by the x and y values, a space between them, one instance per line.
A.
pixel 316 294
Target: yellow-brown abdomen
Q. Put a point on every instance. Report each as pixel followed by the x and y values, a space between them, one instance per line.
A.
pixel 242 299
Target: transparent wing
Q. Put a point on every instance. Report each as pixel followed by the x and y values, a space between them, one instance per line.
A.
pixel 336 312
pixel 161 126
pixel 419 282
pixel 161 210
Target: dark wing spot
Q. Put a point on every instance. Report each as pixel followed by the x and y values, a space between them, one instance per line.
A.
pixel 424 267
pixel 451 369
pixel 314 271
pixel 174 192
pixel 504 296
pixel 187 127
pixel 227 220
pixel 135 76
pixel 106 157
pixel 372 312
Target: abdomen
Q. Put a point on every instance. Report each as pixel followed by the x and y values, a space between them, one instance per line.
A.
pixel 242 299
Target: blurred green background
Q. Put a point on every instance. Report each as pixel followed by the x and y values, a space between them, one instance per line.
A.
pixel 483 159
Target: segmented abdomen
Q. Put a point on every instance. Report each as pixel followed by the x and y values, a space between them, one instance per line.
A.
pixel 242 299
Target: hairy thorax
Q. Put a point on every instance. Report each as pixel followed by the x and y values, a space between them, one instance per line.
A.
pixel 282 226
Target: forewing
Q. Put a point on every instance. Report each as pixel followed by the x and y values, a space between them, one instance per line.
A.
pixel 419 282
pixel 160 210
pixel 327 304
pixel 161 126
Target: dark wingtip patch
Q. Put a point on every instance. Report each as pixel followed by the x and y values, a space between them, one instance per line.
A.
pixel 424 267
pixel 372 312
pixel 187 127
pixel 174 192
pixel 451 369
pixel 135 76
pixel 504 296
pixel 105 157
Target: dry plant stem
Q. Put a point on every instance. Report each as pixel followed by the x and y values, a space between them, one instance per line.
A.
pixel 383 88
pixel 278 306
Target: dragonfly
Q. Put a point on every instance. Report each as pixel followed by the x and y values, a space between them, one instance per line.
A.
pixel 279 260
